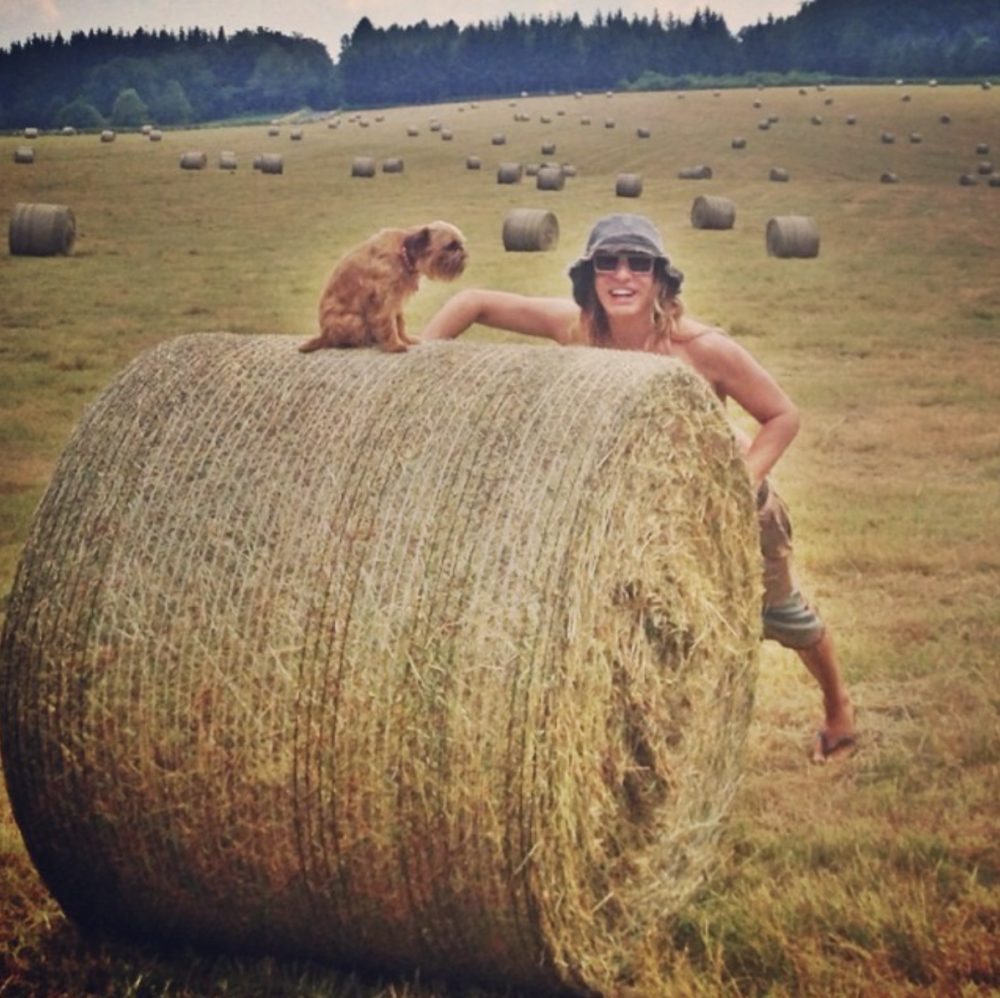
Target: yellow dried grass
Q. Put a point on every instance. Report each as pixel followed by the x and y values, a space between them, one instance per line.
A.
pixel 442 660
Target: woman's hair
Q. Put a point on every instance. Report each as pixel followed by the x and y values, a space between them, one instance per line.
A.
pixel 592 325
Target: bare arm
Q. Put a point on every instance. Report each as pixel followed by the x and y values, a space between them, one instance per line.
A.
pixel 552 318
pixel 735 374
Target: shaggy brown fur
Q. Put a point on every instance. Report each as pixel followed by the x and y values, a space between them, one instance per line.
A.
pixel 362 303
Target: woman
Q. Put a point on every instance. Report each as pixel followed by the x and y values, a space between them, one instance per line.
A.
pixel 626 297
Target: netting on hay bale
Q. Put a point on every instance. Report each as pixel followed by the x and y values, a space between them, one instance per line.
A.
pixel 439 661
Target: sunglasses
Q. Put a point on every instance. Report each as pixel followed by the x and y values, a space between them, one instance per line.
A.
pixel 608 263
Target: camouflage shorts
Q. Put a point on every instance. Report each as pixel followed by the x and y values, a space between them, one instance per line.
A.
pixel 788 618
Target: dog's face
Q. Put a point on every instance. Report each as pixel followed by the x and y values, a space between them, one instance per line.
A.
pixel 437 250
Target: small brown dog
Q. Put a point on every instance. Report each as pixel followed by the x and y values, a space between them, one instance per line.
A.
pixel 362 303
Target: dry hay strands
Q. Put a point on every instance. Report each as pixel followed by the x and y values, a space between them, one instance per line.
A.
pixel 713 212
pixel 454 675
pixel 41 230
pixel 792 236
pixel 530 230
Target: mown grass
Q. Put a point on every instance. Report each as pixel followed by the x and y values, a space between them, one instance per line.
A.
pixel 877 876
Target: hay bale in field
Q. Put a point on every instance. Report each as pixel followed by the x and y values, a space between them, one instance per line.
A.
pixel 499 140
pixel 363 166
pixel 695 173
pixel 916 138
pixel 967 180
pixel 194 160
pixel 550 178
pixel 155 135
pixel 713 212
pixel 227 160
pixel 778 174
pixel 889 178
pixel 392 165
pixel 530 230
pixel 790 236
pixel 473 163
pixel 984 169
pixel 457 680
pixel 548 149
pixel 296 135
pixel 643 133
pixel 994 180
pixel 24 155
pixel 107 136
pixel 509 173
pixel 982 148
pixel 888 138
pixel 272 163
pixel 41 230
pixel 628 185
pixel 738 142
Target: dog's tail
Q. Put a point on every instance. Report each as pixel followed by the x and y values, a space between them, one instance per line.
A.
pixel 316 343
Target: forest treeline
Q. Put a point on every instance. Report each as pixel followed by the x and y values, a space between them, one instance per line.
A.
pixel 103 78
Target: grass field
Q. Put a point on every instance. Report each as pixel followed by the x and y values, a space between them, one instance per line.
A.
pixel 876 876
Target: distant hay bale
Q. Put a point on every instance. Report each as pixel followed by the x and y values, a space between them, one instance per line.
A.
pixel 792 236
pixel 155 135
pixel 967 180
pixel 889 178
pixel 643 133
pixel 272 163
pixel 628 185
pixel 945 119
pixel 274 131
pixel 916 138
pixel 499 139
pixel 713 212
pixel 888 138
pixel 473 163
pixel 363 166
pixel 548 149
pixel 739 142
pixel 984 169
pixel 982 148
pixel 30 133
pixel 296 135
pixel 695 173
pixel 41 230
pixel 392 165
pixel 458 682
pixel 851 119
pixel 778 174
pixel 227 160
pixel 412 132
pixel 107 135
pixel 24 155
pixel 528 230
pixel 194 160
pixel 509 173
pixel 550 178
pixel 994 180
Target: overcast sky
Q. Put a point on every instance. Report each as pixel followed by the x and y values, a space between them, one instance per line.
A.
pixel 328 20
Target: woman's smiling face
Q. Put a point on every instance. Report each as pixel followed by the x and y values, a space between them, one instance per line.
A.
pixel 625 289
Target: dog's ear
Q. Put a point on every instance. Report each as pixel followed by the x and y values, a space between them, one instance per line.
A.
pixel 417 243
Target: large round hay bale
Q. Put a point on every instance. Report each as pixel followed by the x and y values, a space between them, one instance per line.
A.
pixel 24 155
pixel 792 236
pixel 695 173
pixel 194 160
pixel 363 166
pixel 550 178
pixel 271 163
pixel 530 230
pixel 778 174
pixel 628 185
pixel 393 165
pixel 227 160
pixel 509 173
pixel 712 212
pixel 41 230
pixel 452 675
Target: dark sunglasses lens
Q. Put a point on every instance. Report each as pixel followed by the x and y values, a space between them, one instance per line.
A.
pixel 608 263
pixel 640 264
pixel 605 262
